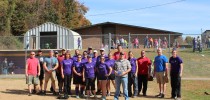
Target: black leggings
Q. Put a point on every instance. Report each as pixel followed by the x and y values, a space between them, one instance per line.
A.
pixel 67 83
pixel 90 82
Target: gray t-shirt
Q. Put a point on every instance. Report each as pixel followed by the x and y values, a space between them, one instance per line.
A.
pixel 122 66
pixel 50 62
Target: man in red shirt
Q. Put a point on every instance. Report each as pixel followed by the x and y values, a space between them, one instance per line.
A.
pixel 117 54
pixel 32 71
pixel 144 64
pixel 58 71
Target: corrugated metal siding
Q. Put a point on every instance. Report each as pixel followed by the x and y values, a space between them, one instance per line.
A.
pixel 65 37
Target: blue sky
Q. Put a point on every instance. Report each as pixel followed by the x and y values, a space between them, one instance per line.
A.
pixel 188 17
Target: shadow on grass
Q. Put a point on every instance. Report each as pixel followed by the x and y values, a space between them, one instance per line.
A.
pixel 17 92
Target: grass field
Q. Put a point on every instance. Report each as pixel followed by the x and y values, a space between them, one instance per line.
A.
pixel 16 89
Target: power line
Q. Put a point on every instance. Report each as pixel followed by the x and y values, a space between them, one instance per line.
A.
pixel 169 3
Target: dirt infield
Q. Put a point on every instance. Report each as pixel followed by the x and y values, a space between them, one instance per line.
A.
pixel 16 89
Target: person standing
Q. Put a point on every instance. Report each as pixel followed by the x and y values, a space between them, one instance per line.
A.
pixel 105 72
pixel 5 66
pixel 95 56
pixel 117 54
pixel 50 65
pixel 66 72
pixel 90 51
pixel 110 62
pixel 122 68
pixel 59 72
pixel 77 76
pixel 132 76
pixel 89 77
pixel 76 53
pixel 79 43
pixel 161 72
pixel 144 64
pixel 40 57
pixel 176 74
pixel 32 71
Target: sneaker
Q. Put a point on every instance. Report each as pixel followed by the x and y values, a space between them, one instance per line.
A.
pixel 65 97
pixel 82 96
pixel 29 94
pixel 44 93
pixel 134 96
pixel 178 99
pixel 103 98
pixel 40 93
pixel 77 96
pixel 158 95
pixel 88 97
pixel 144 94
pixel 98 92
pixel 95 96
pixel 54 93
pixel 34 92
pixel 162 96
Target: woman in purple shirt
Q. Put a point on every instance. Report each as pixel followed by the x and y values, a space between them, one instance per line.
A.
pixel 89 76
pixel 84 58
pixel 77 76
pixel 132 76
pixel 104 71
pixel 66 71
pixel 176 74
pixel 110 62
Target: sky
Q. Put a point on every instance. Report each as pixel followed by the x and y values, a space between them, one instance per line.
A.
pixel 184 16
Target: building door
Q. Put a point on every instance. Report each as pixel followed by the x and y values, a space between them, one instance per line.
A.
pixel 48 40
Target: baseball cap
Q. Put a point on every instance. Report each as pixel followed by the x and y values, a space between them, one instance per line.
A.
pixel 95 51
pixel 51 51
pixel 102 49
pixel 56 52
pixel 89 56
pixel 68 51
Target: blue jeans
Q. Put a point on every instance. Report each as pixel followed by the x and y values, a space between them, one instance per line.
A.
pixel 5 71
pixel 124 81
pixel 132 80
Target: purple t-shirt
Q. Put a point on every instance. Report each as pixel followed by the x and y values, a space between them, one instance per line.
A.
pixel 175 64
pixel 98 60
pixel 67 66
pixel 89 70
pixel 74 58
pixel 133 65
pixel 78 66
pixel 110 63
pixel 103 69
pixel 94 59
pixel 84 60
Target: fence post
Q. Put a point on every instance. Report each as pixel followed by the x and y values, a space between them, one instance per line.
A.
pixel 110 41
pixel 129 41
pixel 169 45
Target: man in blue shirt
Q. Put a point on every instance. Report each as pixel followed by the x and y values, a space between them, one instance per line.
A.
pixel 50 65
pixel 161 72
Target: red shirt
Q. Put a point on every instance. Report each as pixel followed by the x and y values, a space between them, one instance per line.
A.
pixel 32 66
pixel 60 59
pixel 143 64
pixel 117 55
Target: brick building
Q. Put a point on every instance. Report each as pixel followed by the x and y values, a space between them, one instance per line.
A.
pixel 100 33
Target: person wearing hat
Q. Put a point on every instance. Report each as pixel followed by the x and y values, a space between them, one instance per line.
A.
pixel 102 53
pixel 89 76
pixel 50 65
pixel 122 67
pixel 90 51
pixel 95 55
pixel 56 54
pixel 41 76
pixel 66 72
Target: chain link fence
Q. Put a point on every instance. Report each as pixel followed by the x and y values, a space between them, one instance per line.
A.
pixel 193 48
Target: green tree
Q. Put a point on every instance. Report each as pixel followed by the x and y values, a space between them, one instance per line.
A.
pixel 189 40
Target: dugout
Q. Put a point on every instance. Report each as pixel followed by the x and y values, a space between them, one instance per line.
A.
pixel 51 36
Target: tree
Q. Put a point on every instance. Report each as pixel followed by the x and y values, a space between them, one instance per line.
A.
pixel 189 40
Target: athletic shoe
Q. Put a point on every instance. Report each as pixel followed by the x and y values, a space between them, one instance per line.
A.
pixel 158 95
pixel 98 92
pixel 82 96
pixel 95 96
pixel 134 96
pixel 87 97
pixel 44 93
pixel 77 96
pixel 34 92
pixel 178 99
pixel 144 94
pixel 162 96
pixel 103 98
pixel 40 93
pixel 29 94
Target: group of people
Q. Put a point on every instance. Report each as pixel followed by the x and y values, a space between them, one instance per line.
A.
pixel 7 67
pixel 118 69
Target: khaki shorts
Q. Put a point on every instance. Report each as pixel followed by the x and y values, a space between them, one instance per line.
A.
pixel 50 76
pixel 160 77
pixel 30 79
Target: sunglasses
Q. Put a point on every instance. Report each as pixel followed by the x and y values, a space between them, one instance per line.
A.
pixel 32 54
pixel 79 57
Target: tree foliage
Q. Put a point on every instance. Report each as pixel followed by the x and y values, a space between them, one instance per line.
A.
pixel 18 16
pixel 189 39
